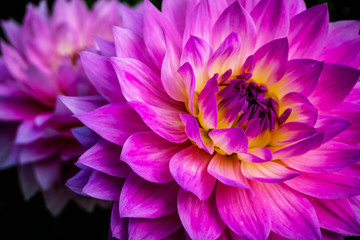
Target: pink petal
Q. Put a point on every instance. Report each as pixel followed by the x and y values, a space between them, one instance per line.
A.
pixel 103 186
pixel 331 126
pixel 208 109
pixel 14 109
pixel 227 169
pixel 292 215
pixel 14 62
pixel 118 225
pixel 115 122
pixel 328 235
pixel 256 155
pixel 270 61
pixel 159 228
pixel 337 216
pixel 302 110
pixel 302 76
pixel 242 212
pixel 189 169
pixel 85 136
pixel 199 218
pixel 335 185
pixel 132 19
pixel 295 7
pixel 188 77
pixel 271 20
pixel 155 24
pixel 40 150
pixel 230 140
pixel 107 48
pixel 27 132
pixel 300 147
pixel 194 133
pixel 149 155
pixel 292 131
pixel 235 19
pixel 82 104
pixel 165 123
pixel 105 157
pixel 309 28
pixel 102 75
pixel 336 82
pixel 13 32
pixel 143 199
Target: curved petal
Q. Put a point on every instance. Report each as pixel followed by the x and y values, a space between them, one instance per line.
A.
pixel 149 155
pixel 105 157
pixel 159 228
pixel 143 199
pixel 227 169
pixel 256 155
pixel 242 212
pixel 267 172
pixel 336 82
pixel 335 185
pixel 118 225
pixel 331 126
pixel 271 19
pixel 189 169
pixel 308 28
pixel 229 140
pixel 48 173
pixel 301 76
pixel 199 218
pixel 115 122
pixel 208 109
pixel 270 62
pixel 82 104
pixel 292 215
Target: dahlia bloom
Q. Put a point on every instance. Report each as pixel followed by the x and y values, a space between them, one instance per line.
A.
pixel 38 65
pixel 247 125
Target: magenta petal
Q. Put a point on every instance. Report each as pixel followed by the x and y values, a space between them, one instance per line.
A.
pixel 27 132
pixel 14 62
pixel 107 48
pixel 102 75
pixel 165 123
pixel 308 28
pixel 149 155
pixel 78 182
pixel 132 19
pixel 292 215
pixel 293 131
pixel 267 172
pixel 235 19
pixel 85 136
pixel 295 7
pixel 256 155
pixel 82 104
pixel 208 109
pixel 189 169
pixel 270 62
pixel 227 169
pixel 13 32
pixel 337 216
pixel 40 150
pixel 143 199
pixel 328 235
pixel 188 77
pixel 331 126
pixel 300 147
pixel 330 157
pixel 103 186
pixel 118 225
pixel 193 132
pixel 302 76
pixel 199 218
pixel 105 157
pixel 242 212
pixel 230 140
pixel 159 228
pixel 336 82
pixel 14 109
pixel 115 122
pixel 271 18
pixel 301 108
pixel 335 185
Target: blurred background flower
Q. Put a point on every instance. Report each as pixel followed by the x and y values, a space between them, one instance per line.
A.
pixel 74 223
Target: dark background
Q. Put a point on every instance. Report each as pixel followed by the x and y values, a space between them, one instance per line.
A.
pixel 30 220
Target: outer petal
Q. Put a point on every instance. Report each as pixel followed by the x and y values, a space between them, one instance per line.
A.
pixel 118 225
pixel 301 76
pixel 115 122
pixel 199 218
pixel 271 19
pixel 308 28
pixel 267 172
pixel 82 104
pixel 227 169
pixel 189 169
pixel 335 185
pixel 48 173
pixel 149 155
pixel 337 216
pixel 102 76
pixel 143 199
pixel 292 215
pixel 159 228
pixel 105 157
pixel 103 186
pixel 165 123
pixel 242 212
pixel 331 126
pixel 230 140
pixel 270 62
pixel 336 82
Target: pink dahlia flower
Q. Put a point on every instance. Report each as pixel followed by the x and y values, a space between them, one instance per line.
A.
pixel 248 129
pixel 38 65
